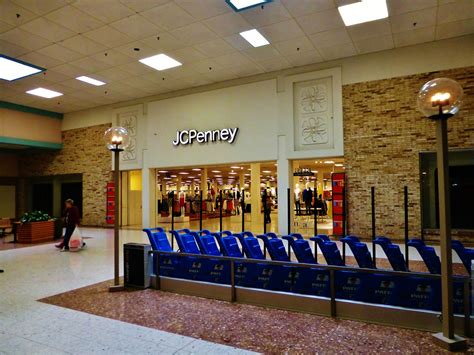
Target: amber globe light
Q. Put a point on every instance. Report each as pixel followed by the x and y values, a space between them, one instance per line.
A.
pixel 117 138
pixel 440 98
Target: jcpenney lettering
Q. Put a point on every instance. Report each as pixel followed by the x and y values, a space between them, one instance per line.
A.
pixel 189 136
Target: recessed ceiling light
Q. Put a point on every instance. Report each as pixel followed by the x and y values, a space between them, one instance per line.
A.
pixel 255 38
pixel 48 94
pixel 239 5
pixel 338 164
pixel 328 162
pixel 91 81
pixel 13 69
pixel 364 11
pixel 183 173
pixel 174 175
pixel 218 176
pixel 160 62
pixel 163 171
pixel 235 167
pixel 196 169
pixel 232 173
pixel 216 171
pixel 266 171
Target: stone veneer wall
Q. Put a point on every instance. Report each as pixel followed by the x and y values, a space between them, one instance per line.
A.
pixel 83 153
pixel 383 135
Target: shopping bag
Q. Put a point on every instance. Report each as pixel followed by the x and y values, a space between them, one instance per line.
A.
pixel 75 243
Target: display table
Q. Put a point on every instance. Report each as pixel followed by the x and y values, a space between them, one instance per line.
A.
pixel 35 232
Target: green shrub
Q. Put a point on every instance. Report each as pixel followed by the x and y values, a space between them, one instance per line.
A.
pixel 35 216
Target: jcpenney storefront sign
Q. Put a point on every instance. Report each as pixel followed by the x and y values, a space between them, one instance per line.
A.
pixel 188 137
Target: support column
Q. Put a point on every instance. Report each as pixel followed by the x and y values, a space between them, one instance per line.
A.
pixel 241 179
pixel 204 183
pixel 255 198
pixel 320 177
pixel 178 184
pixel 148 198
pixel 284 181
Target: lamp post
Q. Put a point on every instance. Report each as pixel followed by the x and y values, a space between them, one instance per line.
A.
pixel 440 99
pixel 116 139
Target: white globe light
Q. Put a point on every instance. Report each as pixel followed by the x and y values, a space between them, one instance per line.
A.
pixel 440 97
pixel 117 138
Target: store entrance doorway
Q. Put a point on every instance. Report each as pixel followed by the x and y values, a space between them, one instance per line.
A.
pixel 131 201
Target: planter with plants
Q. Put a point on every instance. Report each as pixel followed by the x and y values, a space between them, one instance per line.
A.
pixel 35 227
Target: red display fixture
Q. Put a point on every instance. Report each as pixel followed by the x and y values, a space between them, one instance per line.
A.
pixel 339 203
pixel 110 203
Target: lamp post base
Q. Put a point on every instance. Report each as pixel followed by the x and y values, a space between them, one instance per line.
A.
pixel 116 288
pixel 456 344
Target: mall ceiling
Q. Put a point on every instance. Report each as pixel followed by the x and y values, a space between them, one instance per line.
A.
pixel 104 39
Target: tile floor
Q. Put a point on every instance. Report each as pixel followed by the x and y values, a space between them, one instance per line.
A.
pixel 31 327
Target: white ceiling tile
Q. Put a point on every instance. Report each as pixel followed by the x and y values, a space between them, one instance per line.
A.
pixel 396 7
pixel 142 5
pixel 281 31
pixel 113 74
pixel 414 20
pixel 12 50
pixel 187 55
pixel 221 75
pixel 42 7
pixel 374 44
pixel 294 46
pixel 136 26
pixel 419 35
pixel 206 66
pixel 203 9
pixel 172 86
pixel 330 38
pixel 24 39
pixel 215 48
pixel 104 10
pixel 4 27
pixel 136 68
pixel 168 16
pixel 320 21
pixel 83 45
pixel 40 60
pixel 233 59
pixel 338 51
pixel 163 42
pixel 69 70
pixel 228 24
pixel 108 36
pixel 270 13
pixel 370 29
pixel 55 77
pixel 262 53
pixel 130 51
pixel 345 2
pixel 75 20
pixel 184 71
pixel 61 53
pixel 274 64
pixel 305 58
pixel 13 14
pixel 112 57
pixel 454 29
pixel 458 10
pixel 305 7
pixel 194 33
pixel 238 42
pixel 247 70
pixel 47 29
pixel 90 65
pixel 197 80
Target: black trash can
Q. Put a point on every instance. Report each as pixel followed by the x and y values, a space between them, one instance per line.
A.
pixel 137 265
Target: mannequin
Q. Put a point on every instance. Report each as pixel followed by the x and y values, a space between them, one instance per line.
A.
pixel 298 196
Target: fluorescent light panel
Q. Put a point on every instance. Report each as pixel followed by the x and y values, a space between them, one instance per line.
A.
pixel 42 92
pixel 160 62
pixel 239 5
pixel 91 81
pixel 13 69
pixel 364 11
pixel 255 38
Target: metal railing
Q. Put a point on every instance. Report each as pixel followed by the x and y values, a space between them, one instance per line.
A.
pixel 332 283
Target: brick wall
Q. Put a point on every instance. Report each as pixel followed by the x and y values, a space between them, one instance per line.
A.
pixel 83 153
pixel 383 135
